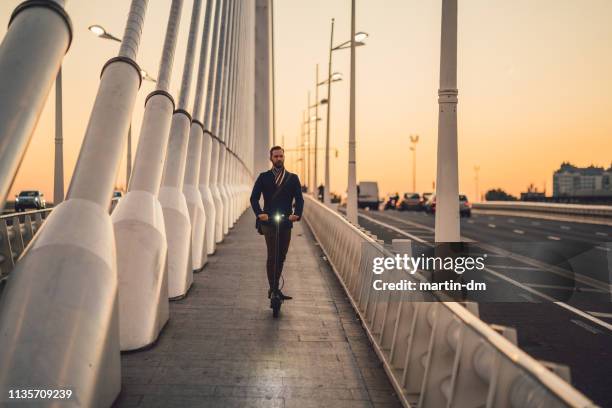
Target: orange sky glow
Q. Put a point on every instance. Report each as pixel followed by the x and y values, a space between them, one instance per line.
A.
pixel 534 81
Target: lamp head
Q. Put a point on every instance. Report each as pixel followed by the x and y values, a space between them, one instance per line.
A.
pixel 361 36
pixel 98 30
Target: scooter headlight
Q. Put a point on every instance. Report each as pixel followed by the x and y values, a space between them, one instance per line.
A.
pixel 278 217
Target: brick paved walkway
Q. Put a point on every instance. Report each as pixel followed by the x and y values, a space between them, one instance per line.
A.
pixel 221 347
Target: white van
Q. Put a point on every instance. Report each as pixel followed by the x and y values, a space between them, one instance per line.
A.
pixel 367 195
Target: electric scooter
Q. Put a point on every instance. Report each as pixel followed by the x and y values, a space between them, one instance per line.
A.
pixel 276 299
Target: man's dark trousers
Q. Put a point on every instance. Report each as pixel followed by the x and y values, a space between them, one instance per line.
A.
pixel 277 251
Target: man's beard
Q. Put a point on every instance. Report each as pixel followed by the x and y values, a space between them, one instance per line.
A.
pixel 279 164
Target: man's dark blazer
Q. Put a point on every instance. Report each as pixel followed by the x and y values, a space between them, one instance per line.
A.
pixel 290 190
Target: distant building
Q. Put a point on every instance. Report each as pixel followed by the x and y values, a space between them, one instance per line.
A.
pixel 572 181
pixel 533 194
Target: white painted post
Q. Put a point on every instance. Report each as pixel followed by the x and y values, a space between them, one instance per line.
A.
pixel 138 218
pixel 191 190
pixel 31 53
pixel 59 311
pixel 227 44
pixel 219 157
pixel 447 179
pixel 262 85
pixel 171 196
pixel 207 167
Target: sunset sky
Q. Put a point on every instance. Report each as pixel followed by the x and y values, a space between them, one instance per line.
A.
pixel 534 86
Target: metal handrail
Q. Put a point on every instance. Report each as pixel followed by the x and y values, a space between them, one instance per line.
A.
pixel 556 208
pixel 343 243
pixel 17 229
pixel 22 213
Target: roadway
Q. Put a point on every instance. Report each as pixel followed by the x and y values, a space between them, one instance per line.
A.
pixel 550 281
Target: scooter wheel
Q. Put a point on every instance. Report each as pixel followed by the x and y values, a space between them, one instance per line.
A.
pixel 275 304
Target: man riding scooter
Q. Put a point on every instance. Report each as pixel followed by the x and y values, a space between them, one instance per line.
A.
pixel 280 189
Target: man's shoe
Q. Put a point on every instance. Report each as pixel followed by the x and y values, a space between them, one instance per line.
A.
pixel 284 297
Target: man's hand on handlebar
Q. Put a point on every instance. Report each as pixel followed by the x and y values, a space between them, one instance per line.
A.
pixel 294 218
pixel 263 217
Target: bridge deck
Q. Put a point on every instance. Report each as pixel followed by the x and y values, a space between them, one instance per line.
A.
pixel 222 348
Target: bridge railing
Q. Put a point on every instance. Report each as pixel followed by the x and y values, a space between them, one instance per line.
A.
pixel 16 231
pixel 595 213
pixel 435 353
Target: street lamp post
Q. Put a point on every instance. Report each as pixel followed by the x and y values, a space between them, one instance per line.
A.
pixel 303 149
pixel 58 173
pixel 326 191
pixel 316 143
pixel 335 77
pixel 414 139
pixel 351 201
pixel 477 182
pixel 309 174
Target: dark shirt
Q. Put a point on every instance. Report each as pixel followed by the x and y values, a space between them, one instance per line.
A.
pixel 290 190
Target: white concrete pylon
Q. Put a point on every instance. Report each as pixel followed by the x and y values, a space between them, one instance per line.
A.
pixel 174 204
pixel 195 204
pixel 221 184
pixel 214 163
pixel 138 219
pixel 447 178
pixel 226 118
pixel 210 156
pixel 261 99
pixel 235 114
pixel 59 324
pixel 31 53
pixel 218 157
pixel 224 47
pixel 205 191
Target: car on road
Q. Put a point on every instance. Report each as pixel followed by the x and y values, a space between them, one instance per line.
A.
pixel 30 199
pixel 410 201
pixel 367 195
pixel 465 208
pixel 424 199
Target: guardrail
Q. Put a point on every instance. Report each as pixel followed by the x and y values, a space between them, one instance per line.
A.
pixel 577 212
pixel 16 231
pixel 435 353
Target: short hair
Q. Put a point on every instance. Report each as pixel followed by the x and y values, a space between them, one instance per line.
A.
pixel 276 148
